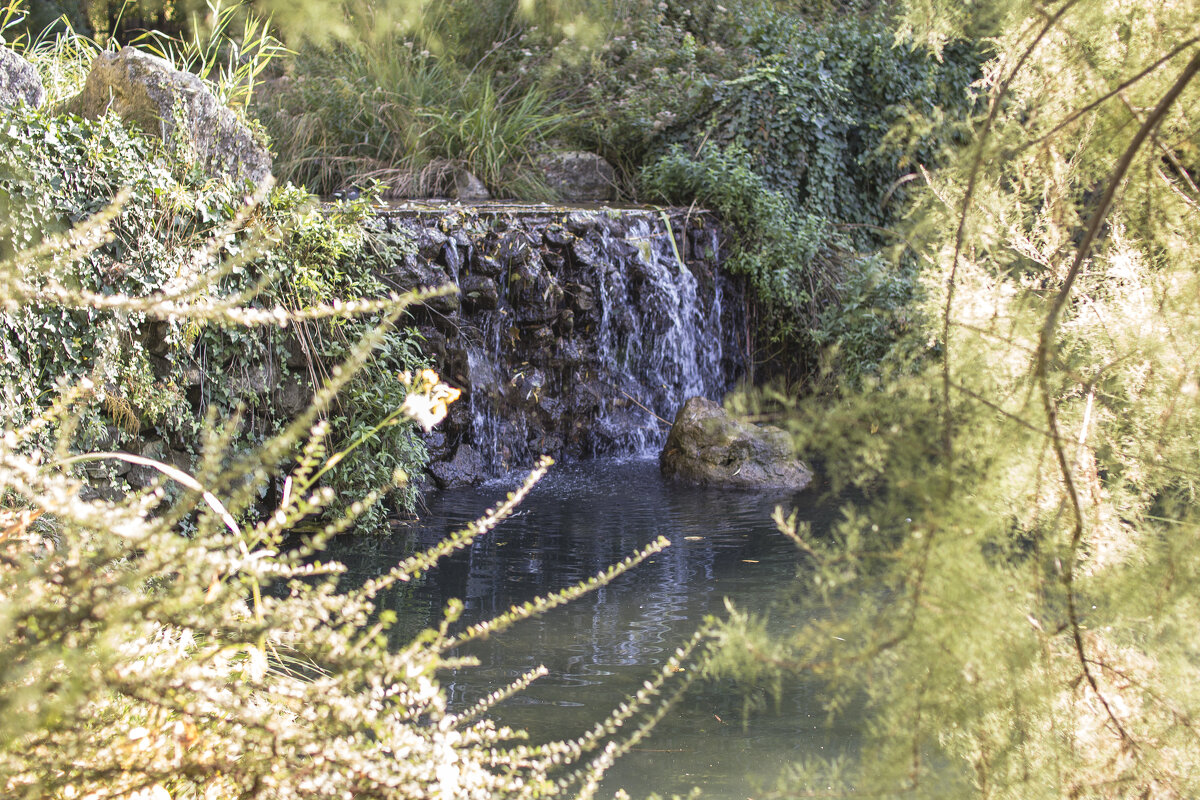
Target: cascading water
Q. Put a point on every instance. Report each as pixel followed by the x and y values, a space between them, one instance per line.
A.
pixel 577 333
pixel 659 342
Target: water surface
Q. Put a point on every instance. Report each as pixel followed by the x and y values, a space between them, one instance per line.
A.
pixel 582 518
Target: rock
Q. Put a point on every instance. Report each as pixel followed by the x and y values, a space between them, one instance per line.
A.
pixel 557 235
pixel 19 81
pixel 480 292
pixel 257 380
pixel 293 397
pixel 708 447
pixel 141 476
pixel 146 91
pixel 579 177
pixel 430 243
pixel 465 469
pixel 469 189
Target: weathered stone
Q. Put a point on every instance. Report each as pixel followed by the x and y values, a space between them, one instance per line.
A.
pixel 583 297
pixel 141 476
pixel 465 469
pixel 579 177
pixel 585 253
pixel 299 355
pixel 146 91
pixel 479 292
pixel 557 235
pixel 19 81
pixel 293 397
pixel 435 443
pixel 412 272
pixel 708 447
pixel 565 323
pixel 430 243
pixel 469 189
pixel 486 265
pixel 258 379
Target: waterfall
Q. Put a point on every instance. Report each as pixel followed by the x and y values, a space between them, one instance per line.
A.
pixel 659 342
pixel 576 333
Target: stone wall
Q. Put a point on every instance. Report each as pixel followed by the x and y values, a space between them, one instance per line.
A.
pixel 577 332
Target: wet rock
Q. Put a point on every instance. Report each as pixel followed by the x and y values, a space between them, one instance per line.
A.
pixel 19 81
pixel 583 297
pixel 486 265
pixel 436 444
pixel 708 447
pixel 557 235
pixel 450 256
pixel 516 247
pixel 480 293
pixel 412 272
pixel 148 92
pixel 430 243
pixel 585 253
pixel 465 469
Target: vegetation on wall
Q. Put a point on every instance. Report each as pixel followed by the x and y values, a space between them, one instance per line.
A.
pixel 156 380
pixel 809 154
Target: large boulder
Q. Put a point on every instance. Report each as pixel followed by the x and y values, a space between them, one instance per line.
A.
pixel 708 447
pixel 465 469
pixel 146 91
pixel 19 81
pixel 579 177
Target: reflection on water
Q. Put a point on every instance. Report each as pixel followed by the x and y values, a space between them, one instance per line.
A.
pixel 581 519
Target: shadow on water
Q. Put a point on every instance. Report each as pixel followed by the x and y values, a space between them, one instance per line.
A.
pixel 581 519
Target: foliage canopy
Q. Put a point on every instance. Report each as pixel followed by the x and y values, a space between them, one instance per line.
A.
pixel 1016 586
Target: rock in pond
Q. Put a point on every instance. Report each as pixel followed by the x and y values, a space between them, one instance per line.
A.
pixel 708 447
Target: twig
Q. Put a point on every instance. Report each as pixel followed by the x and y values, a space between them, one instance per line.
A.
pixel 647 410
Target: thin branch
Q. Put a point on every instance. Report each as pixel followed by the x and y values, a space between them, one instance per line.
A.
pixel 960 233
pixel 1046 348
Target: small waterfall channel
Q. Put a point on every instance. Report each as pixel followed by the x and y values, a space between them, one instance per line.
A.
pixel 577 332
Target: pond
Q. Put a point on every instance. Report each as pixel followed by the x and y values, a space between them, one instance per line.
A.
pixel 580 519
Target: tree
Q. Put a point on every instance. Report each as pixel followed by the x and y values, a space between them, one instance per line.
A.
pixel 1013 591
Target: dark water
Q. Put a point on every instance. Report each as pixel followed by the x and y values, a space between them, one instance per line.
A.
pixel 578 521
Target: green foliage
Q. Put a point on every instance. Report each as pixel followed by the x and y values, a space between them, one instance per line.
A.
pixel 158 380
pixel 232 63
pixel 804 152
pixel 386 108
pixel 1011 591
pixel 775 246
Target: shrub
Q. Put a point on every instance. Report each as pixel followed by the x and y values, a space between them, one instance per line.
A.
pixel 804 152
pixel 137 661
pixel 157 380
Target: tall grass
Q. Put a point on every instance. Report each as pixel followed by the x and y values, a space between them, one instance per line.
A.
pixel 390 110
